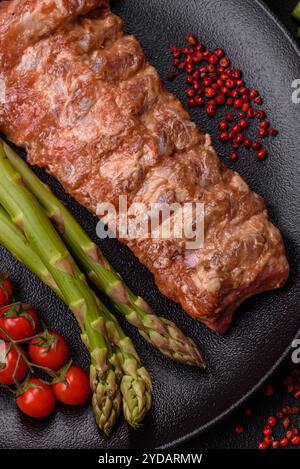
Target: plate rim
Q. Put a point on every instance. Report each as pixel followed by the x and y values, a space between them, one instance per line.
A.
pixel 204 428
pixel 201 429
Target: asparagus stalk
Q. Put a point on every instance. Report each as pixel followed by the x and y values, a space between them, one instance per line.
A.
pixel 136 383
pixel 26 213
pixel 296 11
pixel 158 331
pixel 138 402
pixel 12 238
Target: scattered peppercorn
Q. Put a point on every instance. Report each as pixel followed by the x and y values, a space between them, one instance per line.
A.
pixel 219 53
pixel 258 101
pixel 268 389
pixel 239 429
pixel 286 422
pixel 225 62
pixel 272 421
pixel 245 109
pixel 220 99
pixel 243 123
pixel 284 442
pixel 211 110
pixel 239 138
pixel 296 440
pixel 268 439
pixel 234 156
pixel 261 155
pixel 237 128
pixel 287 410
pixel 190 92
pixel 213 59
pixel 256 146
pixel 260 115
pixel 171 76
pixel 191 40
pixel 214 83
pixel 253 94
pixel 223 125
pixel 267 430
pixel 229 117
pixel 275 445
pixel 210 92
pixel 251 113
pixel 273 132
pixel 264 124
pixel 248 143
pixel 192 102
pixel 224 137
pixel 200 101
pixel 262 445
pixel 262 133
pixel 238 103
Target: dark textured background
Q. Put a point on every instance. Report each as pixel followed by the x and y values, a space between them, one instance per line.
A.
pixel 223 436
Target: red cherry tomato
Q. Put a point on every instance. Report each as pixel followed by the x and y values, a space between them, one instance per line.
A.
pixel 37 400
pixel 75 389
pixel 11 364
pixel 49 350
pixel 18 321
pixel 6 290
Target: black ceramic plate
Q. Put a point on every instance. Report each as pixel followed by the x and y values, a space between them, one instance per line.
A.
pixel 188 401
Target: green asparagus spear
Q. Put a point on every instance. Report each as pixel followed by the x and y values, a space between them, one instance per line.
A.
pixel 12 238
pixel 139 403
pixel 296 12
pixel 158 331
pixel 28 215
pixel 136 383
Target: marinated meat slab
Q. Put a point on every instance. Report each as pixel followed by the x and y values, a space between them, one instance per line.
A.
pixel 81 98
